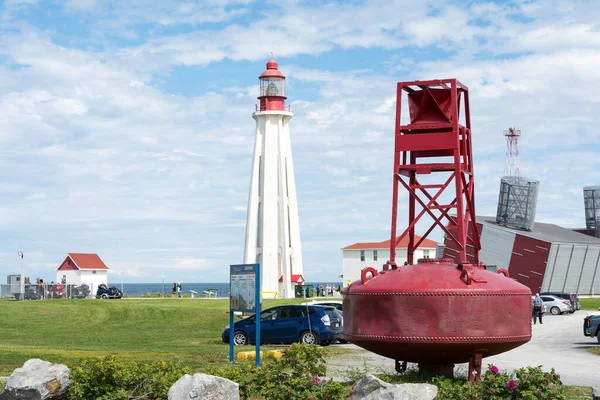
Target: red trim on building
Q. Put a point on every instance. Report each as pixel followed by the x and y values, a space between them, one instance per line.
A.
pixel 299 279
pixel 427 244
pixel 75 261
pixel 528 261
pixel 67 265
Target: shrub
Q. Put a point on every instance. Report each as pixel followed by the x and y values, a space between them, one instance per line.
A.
pixel 107 378
pixel 296 375
pixel 529 383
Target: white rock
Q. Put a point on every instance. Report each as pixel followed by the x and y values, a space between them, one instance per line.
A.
pixel 37 380
pixel 203 387
pixel 370 387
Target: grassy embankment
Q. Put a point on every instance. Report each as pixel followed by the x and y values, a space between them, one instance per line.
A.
pixel 63 331
pixel 185 330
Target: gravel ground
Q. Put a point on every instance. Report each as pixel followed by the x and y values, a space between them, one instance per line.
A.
pixel 558 343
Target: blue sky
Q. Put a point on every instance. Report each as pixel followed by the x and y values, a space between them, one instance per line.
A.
pixel 126 128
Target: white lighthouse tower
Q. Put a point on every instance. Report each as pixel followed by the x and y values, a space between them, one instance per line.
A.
pixel 272 229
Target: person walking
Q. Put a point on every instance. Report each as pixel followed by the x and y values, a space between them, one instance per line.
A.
pixel 538 305
pixel 174 290
pixel 179 289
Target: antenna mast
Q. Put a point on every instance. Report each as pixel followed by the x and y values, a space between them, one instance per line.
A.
pixel 512 166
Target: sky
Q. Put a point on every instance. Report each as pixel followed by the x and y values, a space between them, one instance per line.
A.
pixel 126 126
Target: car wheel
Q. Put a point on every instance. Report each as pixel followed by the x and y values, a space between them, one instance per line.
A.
pixel 240 338
pixel 555 311
pixel 309 338
pixel 104 296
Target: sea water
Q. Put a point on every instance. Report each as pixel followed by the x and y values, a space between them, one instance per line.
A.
pixel 201 289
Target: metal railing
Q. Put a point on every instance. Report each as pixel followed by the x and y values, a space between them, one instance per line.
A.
pixel 286 107
pixel 47 291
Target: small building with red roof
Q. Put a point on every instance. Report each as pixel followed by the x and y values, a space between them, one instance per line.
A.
pixel 360 255
pixel 80 268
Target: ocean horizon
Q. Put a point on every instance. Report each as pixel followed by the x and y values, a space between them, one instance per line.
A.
pixel 222 288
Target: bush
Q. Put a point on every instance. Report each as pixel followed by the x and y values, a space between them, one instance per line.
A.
pixel 296 375
pixel 530 383
pixel 107 378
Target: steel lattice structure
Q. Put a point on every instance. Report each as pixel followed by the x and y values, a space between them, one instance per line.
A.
pixel 518 195
pixel 517 202
pixel 512 166
pixel 591 198
pixel 434 134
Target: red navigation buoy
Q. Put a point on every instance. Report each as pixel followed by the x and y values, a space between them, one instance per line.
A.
pixel 435 312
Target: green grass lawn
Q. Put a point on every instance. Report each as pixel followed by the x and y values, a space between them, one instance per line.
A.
pixel 590 304
pixel 184 330
pixel 158 329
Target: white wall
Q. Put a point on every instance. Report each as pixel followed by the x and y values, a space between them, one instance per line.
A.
pixel 272 226
pixel 496 246
pixel 93 280
pixel 352 264
pixel 78 277
pixel 573 268
pixel 71 275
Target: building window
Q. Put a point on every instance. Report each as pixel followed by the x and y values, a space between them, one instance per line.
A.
pixel 362 255
pixel 425 253
pixel 374 255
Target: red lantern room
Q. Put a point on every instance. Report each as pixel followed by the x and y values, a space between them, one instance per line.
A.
pixel 272 89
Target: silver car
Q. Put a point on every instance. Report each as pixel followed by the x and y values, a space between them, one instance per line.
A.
pixel 555 305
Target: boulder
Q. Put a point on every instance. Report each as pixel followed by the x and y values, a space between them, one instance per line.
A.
pixel 370 387
pixel 37 380
pixel 204 387
pixel 595 392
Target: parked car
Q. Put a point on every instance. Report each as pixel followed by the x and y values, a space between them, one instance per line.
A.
pixel 105 292
pixel 556 305
pixel 80 292
pixel 332 303
pixel 288 324
pixel 591 326
pixel 572 297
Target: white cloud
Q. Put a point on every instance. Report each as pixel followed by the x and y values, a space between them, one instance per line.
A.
pixel 106 156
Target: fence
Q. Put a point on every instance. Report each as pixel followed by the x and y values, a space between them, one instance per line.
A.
pixel 47 291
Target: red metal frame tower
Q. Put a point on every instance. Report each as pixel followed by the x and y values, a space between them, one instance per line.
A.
pixel 435 134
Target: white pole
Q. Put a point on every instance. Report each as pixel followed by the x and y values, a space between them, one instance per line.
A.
pixel 20 253
pixel 121 273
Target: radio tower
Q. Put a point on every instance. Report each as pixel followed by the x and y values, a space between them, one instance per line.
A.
pixel 518 195
pixel 512 152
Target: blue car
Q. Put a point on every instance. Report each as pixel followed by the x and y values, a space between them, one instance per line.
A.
pixel 591 326
pixel 289 324
pixel 105 292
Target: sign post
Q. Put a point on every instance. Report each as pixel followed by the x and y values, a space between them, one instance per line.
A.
pixel 244 295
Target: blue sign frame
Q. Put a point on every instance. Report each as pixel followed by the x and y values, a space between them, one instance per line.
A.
pixel 244 281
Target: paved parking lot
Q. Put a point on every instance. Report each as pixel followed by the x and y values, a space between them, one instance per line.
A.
pixel 558 343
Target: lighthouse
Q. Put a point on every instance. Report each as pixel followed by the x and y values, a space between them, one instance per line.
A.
pixel 272 228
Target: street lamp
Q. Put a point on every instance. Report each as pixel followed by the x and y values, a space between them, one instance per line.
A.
pixel 20 254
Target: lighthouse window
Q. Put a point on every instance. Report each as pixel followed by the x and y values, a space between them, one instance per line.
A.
pixel 362 255
pixel 374 255
pixel 272 89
